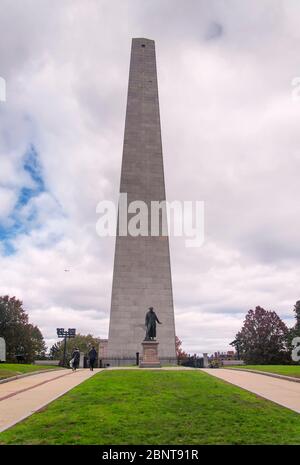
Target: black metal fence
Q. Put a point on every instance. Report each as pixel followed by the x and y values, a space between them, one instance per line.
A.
pixel 194 362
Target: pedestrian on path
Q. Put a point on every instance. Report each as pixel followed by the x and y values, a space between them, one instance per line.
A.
pixel 75 358
pixel 92 358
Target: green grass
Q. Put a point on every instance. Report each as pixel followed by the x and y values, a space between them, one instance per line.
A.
pixel 157 407
pixel 8 370
pixel 286 370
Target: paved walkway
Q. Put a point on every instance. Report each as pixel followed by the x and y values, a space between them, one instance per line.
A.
pixel 22 397
pixel 282 392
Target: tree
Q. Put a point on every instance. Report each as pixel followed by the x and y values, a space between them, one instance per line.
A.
pixel 297 316
pixel 54 351
pixel 21 337
pixel 179 352
pixel 263 338
pixel 237 344
pixel 35 345
pixel 83 342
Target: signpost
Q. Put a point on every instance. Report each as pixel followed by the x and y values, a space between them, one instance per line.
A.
pixel 65 334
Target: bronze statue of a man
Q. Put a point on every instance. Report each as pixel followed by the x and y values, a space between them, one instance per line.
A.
pixel 150 323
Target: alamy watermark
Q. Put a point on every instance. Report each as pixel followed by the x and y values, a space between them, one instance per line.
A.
pixel 140 218
pixel 296 349
pixel 295 83
pixel 2 89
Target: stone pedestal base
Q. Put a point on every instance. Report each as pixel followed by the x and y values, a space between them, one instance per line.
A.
pixel 150 355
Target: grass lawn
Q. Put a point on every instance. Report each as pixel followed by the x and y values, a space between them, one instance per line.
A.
pixel 12 369
pixel 157 407
pixel 287 370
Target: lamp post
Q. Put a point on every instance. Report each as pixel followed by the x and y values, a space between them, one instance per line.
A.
pixel 65 334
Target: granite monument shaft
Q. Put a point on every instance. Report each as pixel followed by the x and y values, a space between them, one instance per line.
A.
pixel 142 272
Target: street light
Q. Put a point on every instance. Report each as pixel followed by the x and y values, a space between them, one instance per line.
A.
pixel 68 334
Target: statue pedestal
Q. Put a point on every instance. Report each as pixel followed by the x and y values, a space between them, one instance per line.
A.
pixel 150 355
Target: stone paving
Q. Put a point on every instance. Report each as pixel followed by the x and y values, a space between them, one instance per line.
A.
pixel 22 397
pixel 281 391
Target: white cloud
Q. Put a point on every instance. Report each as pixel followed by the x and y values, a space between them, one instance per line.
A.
pixel 7 200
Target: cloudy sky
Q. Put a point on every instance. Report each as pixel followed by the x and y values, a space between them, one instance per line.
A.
pixel 231 137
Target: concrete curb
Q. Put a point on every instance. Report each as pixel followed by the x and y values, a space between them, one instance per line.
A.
pixel 13 378
pixel 266 373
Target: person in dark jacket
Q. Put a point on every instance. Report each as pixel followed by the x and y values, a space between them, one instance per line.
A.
pixel 75 358
pixel 92 357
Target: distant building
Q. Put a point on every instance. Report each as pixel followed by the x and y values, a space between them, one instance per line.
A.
pixel 229 355
pixel 224 358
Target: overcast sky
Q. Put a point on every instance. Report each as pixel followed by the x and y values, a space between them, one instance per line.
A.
pixel 231 137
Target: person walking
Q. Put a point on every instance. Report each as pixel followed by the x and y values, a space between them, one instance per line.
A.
pixel 75 358
pixel 92 357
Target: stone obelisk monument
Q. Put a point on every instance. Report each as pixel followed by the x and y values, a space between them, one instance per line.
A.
pixel 142 273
